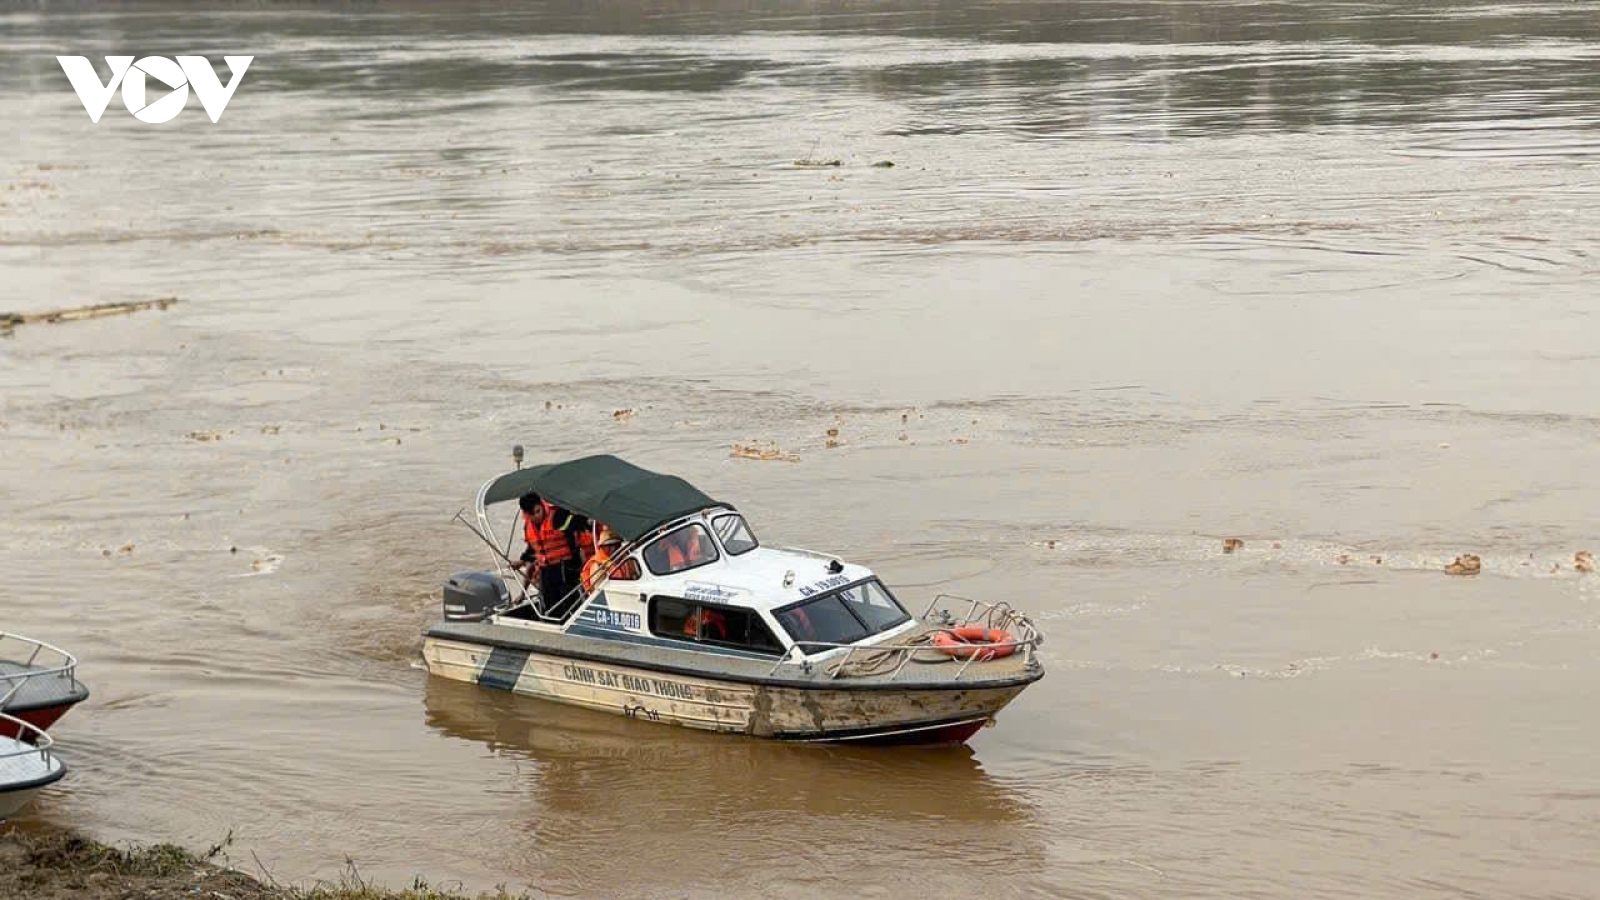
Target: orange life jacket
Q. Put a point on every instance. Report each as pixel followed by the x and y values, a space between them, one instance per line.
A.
pixel 582 539
pixel 549 543
pixel 591 569
pixel 713 621
pixel 684 549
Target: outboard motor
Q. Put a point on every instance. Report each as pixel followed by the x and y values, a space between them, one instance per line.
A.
pixel 472 596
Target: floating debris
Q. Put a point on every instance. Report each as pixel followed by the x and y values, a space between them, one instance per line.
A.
pixel 831 443
pixel 1231 544
pixel 883 164
pixel 204 436
pixel 832 432
pixel 270 429
pixel 771 453
pixel 1344 559
pixel 1377 560
pixel 125 549
pixel 8 321
pixel 623 415
pixel 817 163
pixel 1277 545
pixel 1465 564
pixel 1583 561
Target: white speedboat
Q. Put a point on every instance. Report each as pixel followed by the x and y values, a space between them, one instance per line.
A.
pixel 693 621
pixel 27 765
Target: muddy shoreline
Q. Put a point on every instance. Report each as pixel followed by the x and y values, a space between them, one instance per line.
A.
pixel 56 864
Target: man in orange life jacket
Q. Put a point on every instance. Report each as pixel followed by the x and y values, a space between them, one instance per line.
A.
pixel 706 623
pixel 609 542
pixel 582 531
pixel 687 547
pixel 552 552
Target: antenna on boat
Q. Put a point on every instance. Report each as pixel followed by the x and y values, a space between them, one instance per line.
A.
pixel 516 454
pixel 474 529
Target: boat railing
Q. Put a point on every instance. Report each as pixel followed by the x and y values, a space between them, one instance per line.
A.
pixel 873 659
pixel 39 744
pixel 568 602
pixel 37 660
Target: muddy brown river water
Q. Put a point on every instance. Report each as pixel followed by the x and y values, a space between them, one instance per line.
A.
pixel 1143 276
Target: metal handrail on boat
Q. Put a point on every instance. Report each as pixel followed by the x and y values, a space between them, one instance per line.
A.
pixel 577 593
pixel 1025 638
pixel 65 664
pixel 41 743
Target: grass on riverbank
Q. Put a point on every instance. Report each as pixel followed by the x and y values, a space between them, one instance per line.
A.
pixel 51 865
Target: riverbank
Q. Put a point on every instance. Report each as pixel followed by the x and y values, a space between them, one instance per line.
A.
pixel 61 865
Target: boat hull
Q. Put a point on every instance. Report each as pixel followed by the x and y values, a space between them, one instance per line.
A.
pixel 13 801
pixel 24 772
pixel 42 718
pixel 916 714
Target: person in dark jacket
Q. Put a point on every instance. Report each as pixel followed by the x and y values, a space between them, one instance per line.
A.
pixel 552 554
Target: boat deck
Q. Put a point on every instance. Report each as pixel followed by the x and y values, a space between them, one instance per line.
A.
pixel 24 764
pixel 36 687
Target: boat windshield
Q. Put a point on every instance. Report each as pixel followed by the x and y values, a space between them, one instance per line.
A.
pixel 734 533
pixel 842 617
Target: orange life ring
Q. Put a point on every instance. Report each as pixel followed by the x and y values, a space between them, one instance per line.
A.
pixel 958 642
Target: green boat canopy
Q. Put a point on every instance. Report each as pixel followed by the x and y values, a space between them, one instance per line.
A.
pixel 633 501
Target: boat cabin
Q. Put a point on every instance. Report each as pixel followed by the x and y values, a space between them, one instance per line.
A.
pixel 691 573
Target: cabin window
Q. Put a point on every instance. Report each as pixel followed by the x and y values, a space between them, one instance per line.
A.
pixel 680 550
pixel 873 605
pixel 709 623
pixel 734 533
pixel 841 617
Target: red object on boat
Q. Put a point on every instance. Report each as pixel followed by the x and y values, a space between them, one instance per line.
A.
pixel 971 640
